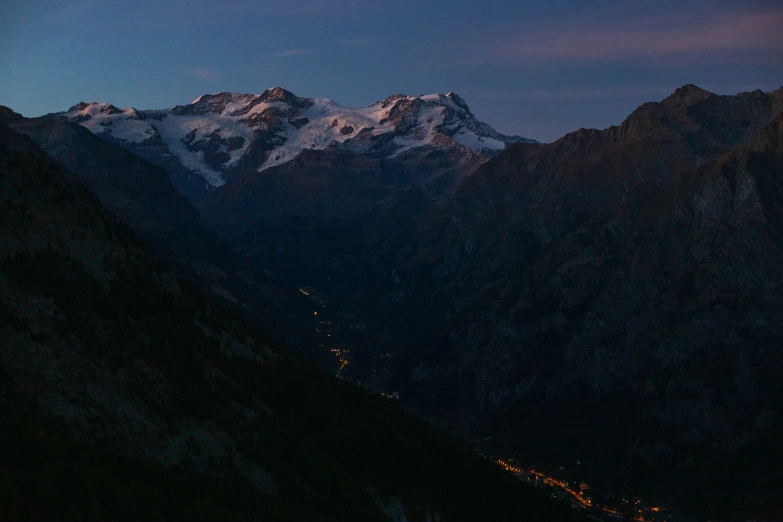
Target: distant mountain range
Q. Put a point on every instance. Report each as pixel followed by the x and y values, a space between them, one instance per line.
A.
pixel 220 136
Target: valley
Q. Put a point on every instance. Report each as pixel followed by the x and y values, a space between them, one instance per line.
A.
pixel 570 491
pixel 374 261
pixel 132 394
pixel 612 298
pixel 546 297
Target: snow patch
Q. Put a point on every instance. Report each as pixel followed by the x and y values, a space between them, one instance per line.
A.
pixel 474 142
pixel 121 124
pixel 328 122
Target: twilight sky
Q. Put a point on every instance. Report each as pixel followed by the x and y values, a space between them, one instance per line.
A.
pixel 539 68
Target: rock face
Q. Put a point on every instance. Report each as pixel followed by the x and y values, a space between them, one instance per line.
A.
pixel 221 136
pixel 614 297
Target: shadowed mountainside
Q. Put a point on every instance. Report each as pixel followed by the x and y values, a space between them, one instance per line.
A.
pixel 613 297
pixel 128 394
pixel 142 195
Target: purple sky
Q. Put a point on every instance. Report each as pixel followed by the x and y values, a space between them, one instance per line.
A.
pixel 535 68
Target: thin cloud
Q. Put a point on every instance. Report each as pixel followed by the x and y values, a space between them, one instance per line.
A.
pixel 76 10
pixel 649 39
pixel 209 12
pixel 351 41
pixel 203 73
pixel 582 94
pixel 290 53
pixel 650 93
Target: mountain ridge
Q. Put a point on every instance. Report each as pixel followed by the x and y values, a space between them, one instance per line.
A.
pixel 219 135
pixel 562 281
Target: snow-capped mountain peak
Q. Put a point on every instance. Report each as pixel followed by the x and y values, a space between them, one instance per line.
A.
pixel 216 134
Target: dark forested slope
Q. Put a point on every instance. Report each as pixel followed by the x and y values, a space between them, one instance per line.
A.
pixel 142 195
pixel 127 394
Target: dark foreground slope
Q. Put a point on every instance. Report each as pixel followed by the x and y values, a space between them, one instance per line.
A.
pixel 614 298
pixel 141 194
pixel 126 394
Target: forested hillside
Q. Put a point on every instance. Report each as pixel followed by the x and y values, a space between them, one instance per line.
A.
pixel 128 394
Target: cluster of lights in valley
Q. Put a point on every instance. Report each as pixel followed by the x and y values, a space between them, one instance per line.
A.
pixel 578 496
pixel 540 478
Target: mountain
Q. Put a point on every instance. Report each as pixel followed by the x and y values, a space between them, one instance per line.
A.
pixel 611 298
pixel 142 195
pixel 220 136
pixel 608 303
pixel 135 190
pixel 127 394
pixel 280 177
